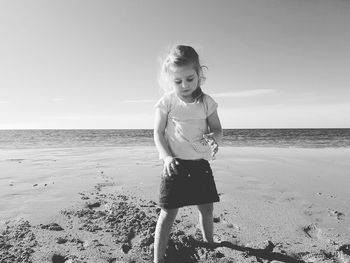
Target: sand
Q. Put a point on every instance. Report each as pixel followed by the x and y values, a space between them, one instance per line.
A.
pixel 99 205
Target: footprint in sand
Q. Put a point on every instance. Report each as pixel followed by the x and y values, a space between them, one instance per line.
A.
pixel 290 199
pixel 221 219
pixel 61 240
pixel 52 227
pixel 337 214
pixel 93 204
pixel 326 195
pixel 230 225
pixel 312 231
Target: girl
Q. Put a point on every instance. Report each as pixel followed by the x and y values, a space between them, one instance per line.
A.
pixel 186 130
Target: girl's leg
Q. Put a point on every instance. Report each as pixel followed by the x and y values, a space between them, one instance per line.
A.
pixel 162 233
pixel 206 221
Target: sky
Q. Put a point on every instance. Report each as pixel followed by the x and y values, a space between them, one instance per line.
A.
pixel 86 64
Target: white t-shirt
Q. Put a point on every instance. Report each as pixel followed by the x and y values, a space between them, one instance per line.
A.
pixel 186 124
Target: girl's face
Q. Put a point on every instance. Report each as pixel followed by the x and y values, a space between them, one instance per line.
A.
pixel 184 80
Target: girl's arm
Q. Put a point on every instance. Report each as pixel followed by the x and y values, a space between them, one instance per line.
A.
pixel 169 167
pixel 159 134
pixel 215 126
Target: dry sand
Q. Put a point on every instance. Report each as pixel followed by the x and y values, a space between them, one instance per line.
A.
pixel 98 205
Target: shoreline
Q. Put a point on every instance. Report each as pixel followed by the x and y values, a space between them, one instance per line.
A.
pixel 276 204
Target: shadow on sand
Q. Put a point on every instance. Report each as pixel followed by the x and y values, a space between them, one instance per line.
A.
pixel 197 251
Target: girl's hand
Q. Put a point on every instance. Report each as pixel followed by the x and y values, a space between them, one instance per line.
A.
pixel 209 138
pixel 169 168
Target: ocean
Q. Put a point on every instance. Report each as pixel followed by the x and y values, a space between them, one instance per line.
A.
pixel 297 138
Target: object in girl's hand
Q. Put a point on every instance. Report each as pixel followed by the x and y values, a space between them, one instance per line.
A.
pixel 212 143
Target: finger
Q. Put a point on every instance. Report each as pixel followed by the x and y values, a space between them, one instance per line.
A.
pixel 174 170
pixel 175 164
pixel 168 170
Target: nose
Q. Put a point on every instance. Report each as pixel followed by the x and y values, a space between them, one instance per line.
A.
pixel 184 85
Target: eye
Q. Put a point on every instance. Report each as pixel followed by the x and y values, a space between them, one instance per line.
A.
pixel 190 79
pixel 177 81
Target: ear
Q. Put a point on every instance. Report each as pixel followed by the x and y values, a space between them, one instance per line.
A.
pixel 201 81
pixel 201 77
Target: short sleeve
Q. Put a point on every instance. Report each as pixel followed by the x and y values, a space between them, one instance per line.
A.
pixel 211 105
pixel 163 104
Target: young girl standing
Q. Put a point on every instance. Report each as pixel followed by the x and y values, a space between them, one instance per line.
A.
pixel 186 130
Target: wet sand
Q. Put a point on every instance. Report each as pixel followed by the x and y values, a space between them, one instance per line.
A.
pixel 99 205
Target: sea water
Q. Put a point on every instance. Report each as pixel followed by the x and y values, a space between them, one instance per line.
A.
pixel 300 138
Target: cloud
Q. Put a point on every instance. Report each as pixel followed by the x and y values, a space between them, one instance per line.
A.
pixel 240 94
pixel 139 120
pixel 4 102
pixel 287 116
pixel 139 101
pixel 85 117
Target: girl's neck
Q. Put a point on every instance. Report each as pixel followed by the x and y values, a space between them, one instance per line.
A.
pixel 193 97
pixel 186 99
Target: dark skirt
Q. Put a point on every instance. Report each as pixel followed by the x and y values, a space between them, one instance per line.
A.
pixel 193 185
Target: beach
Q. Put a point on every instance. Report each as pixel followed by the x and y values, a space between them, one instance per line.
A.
pixel 98 204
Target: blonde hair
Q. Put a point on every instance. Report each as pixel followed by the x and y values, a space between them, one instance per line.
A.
pixel 178 56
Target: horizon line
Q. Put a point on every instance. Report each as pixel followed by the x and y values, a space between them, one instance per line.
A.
pixel 275 128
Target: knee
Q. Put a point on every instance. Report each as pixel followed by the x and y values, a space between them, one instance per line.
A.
pixel 206 209
pixel 169 214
